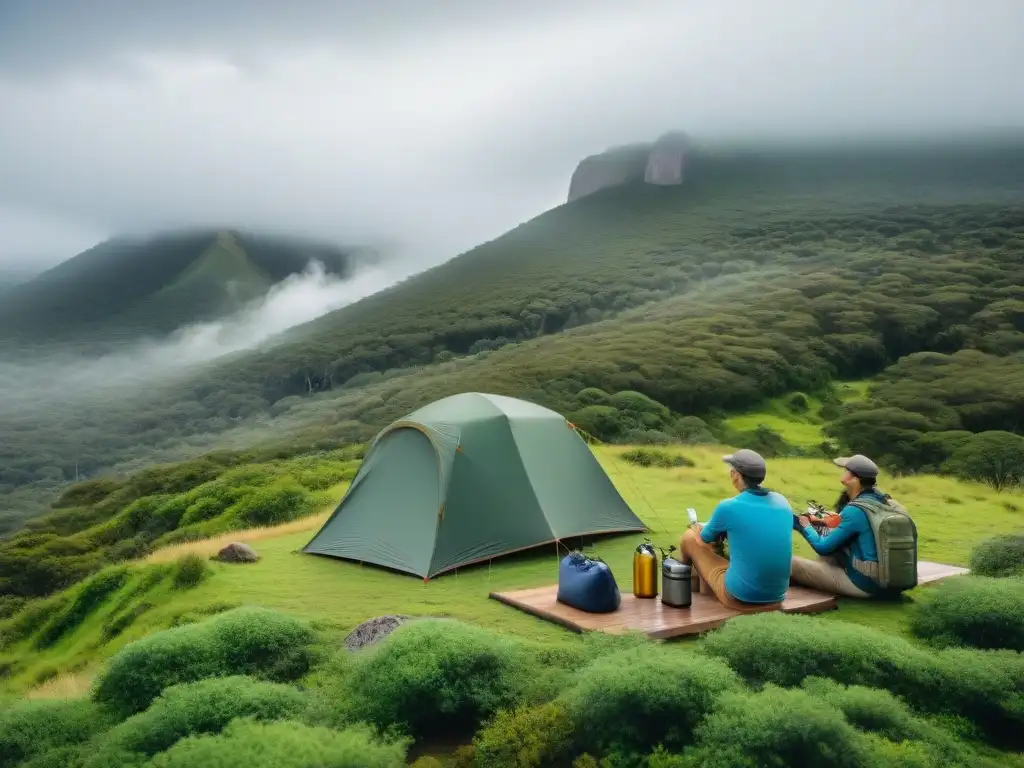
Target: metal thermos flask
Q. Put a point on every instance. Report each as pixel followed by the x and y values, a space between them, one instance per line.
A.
pixel 645 570
pixel 675 583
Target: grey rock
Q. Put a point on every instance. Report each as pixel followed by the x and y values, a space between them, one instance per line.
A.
pixel 666 162
pixel 373 631
pixel 617 166
pixel 237 552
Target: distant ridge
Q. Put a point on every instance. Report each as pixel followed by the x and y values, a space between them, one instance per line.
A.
pixel 154 284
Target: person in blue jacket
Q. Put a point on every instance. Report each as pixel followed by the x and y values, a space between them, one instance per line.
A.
pixel 833 571
pixel 759 526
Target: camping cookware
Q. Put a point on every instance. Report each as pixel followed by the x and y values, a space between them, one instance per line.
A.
pixel 645 570
pixel 675 583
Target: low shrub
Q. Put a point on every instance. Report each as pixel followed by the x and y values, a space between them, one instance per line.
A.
pixel 33 727
pixel 999 556
pixel 62 757
pixel 526 737
pixel 31 617
pixel 975 611
pixel 243 641
pixel 877 711
pixel 438 674
pixel 190 570
pixel 248 744
pixel 653 457
pixel 777 727
pixel 90 595
pixel 10 605
pixel 786 649
pixel 273 505
pixel 641 697
pixel 190 709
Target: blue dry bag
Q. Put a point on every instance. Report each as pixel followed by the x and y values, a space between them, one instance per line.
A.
pixel 587 584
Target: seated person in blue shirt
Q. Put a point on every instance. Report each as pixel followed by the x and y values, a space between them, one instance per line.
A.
pixel 833 571
pixel 759 527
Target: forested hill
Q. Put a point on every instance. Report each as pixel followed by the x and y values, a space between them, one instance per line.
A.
pixel 764 273
pixel 127 286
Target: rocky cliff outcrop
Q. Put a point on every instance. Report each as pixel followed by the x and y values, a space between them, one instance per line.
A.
pixel 666 162
pixel 618 165
pixel 660 162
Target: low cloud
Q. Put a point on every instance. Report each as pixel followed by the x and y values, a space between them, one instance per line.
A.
pixel 71 380
pixel 445 124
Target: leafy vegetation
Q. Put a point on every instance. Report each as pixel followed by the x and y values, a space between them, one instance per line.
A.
pixel 615 702
pixel 977 685
pixel 629 700
pixel 1001 555
pixel 706 298
pixel 974 611
pixel 29 728
pixel 438 676
pixel 244 641
pixel 922 413
pixel 188 709
pixel 246 744
pixel 104 521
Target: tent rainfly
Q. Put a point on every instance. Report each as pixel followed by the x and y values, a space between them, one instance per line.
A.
pixel 469 478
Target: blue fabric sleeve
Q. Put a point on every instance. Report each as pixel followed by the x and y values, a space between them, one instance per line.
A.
pixel 715 526
pixel 847 530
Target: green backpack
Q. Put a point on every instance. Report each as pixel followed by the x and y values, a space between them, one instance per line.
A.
pixel 896 542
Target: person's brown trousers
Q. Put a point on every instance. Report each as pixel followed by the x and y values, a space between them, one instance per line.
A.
pixel 711 568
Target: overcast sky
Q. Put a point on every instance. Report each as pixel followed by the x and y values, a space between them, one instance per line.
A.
pixel 439 124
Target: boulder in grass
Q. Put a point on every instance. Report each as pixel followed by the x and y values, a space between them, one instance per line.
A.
pixel 373 631
pixel 237 552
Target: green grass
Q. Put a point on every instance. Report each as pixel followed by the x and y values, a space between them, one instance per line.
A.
pixel 952 517
pixel 799 428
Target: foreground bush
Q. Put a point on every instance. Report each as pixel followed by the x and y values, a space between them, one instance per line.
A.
pixel 635 699
pixel 527 737
pixel 30 728
pixel 877 711
pixel 975 611
pixel 438 674
pixel 999 556
pixel 243 641
pixel 786 649
pixel 249 744
pixel 191 709
pixel 777 727
pixel 190 570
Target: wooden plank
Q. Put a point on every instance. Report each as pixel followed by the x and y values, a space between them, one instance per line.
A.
pixel 651 616
pixel 661 621
pixel 931 573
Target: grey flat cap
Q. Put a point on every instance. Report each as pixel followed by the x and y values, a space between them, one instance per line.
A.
pixel 860 465
pixel 748 463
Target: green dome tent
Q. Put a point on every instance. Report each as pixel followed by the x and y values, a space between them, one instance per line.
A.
pixel 469 478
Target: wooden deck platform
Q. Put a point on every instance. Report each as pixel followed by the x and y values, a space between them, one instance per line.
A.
pixel 930 573
pixel 660 621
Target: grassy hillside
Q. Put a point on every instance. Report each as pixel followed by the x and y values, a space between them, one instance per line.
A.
pixel 953 518
pixel 766 274
pixel 264 640
pixel 127 286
